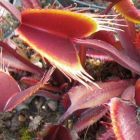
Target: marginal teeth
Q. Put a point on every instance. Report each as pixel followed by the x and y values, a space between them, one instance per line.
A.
pixel 109 22
pixel 113 24
pixel 78 74
pixel 120 14
pixel 106 19
pixel 104 16
pixel 110 28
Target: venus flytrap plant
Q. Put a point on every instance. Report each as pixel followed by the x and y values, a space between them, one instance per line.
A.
pixel 93 24
pixel 64 33
pixel 55 34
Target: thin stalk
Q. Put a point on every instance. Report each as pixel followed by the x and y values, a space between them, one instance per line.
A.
pixel 82 55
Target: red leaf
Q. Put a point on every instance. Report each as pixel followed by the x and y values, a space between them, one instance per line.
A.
pixel 59 51
pixel 137 42
pixel 105 36
pixel 8 87
pixel 89 117
pixel 129 94
pixel 124 120
pixel 128 10
pixel 82 98
pixel 126 39
pixel 137 92
pixel 29 81
pixel 60 22
pixel 14 60
pixel 98 55
pixel 118 56
pixel 20 97
pixel 57 132
pixel 48 94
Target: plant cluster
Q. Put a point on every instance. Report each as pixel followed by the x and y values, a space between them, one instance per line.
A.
pixel 60 43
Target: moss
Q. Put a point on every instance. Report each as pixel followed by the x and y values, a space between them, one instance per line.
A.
pixel 26 134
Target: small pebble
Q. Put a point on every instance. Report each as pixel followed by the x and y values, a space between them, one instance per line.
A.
pixel 43 107
pixel 21 118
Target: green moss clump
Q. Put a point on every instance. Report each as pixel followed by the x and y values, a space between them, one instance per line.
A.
pixel 26 134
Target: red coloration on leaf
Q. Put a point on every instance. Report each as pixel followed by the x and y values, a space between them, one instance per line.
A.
pixel 105 36
pixel 22 96
pixel 98 55
pixel 124 120
pixel 82 55
pixel 65 101
pixel 127 9
pixel 52 48
pixel 14 60
pixel 8 87
pixel 129 94
pixel 29 81
pixel 69 24
pixel 126 39
pixel 57 132
pixel 131 30
pixel 118 56
pixel 89 117
pixel 8 6
pixel 54 26
pixel 49 87
pixel 137 42
pixel 82 97
pixel 48 94
pixel 137 92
